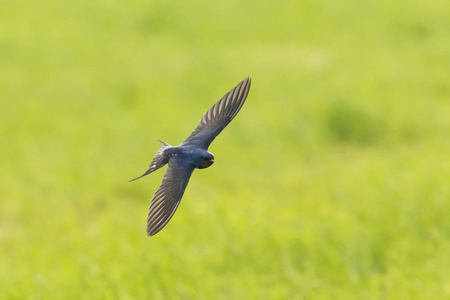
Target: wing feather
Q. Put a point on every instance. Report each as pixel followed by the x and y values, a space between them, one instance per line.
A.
pixel 219 116
pixel 168 196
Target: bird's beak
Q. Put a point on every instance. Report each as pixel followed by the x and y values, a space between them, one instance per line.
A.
pixel 208 163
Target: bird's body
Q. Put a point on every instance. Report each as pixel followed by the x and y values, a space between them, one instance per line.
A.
pixel 191 154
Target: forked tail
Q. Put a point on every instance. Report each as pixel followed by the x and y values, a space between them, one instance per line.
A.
pixel 159 160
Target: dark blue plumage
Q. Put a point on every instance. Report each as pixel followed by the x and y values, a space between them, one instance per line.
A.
pixel 191 154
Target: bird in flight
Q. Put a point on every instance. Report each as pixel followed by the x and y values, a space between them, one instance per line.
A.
pixel 191 154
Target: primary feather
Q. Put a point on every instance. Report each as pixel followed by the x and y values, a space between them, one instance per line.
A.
pixel 168 196
pixel 219 116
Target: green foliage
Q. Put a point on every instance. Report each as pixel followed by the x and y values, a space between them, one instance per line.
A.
pixel 309 198
pixel 350 124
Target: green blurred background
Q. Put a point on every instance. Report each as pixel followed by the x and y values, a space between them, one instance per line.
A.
pixel 331 183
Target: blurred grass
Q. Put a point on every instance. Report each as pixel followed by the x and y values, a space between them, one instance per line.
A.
pixel 332 182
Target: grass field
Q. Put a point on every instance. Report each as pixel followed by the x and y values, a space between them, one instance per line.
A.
pixel 331 183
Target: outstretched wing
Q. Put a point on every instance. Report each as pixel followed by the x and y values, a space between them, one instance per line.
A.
pixel 219 115
pixel 168 196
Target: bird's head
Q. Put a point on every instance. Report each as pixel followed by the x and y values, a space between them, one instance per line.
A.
pixel 205 160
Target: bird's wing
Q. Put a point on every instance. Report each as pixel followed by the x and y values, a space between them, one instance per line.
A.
pixel 168 196
pixel 219 115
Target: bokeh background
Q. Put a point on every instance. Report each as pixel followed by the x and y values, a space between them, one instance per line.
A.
pixel 331 183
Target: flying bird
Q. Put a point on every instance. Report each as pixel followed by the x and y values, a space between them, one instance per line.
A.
pixel 190 155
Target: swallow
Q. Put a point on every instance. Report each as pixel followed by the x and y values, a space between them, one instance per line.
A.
pixel 191 154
